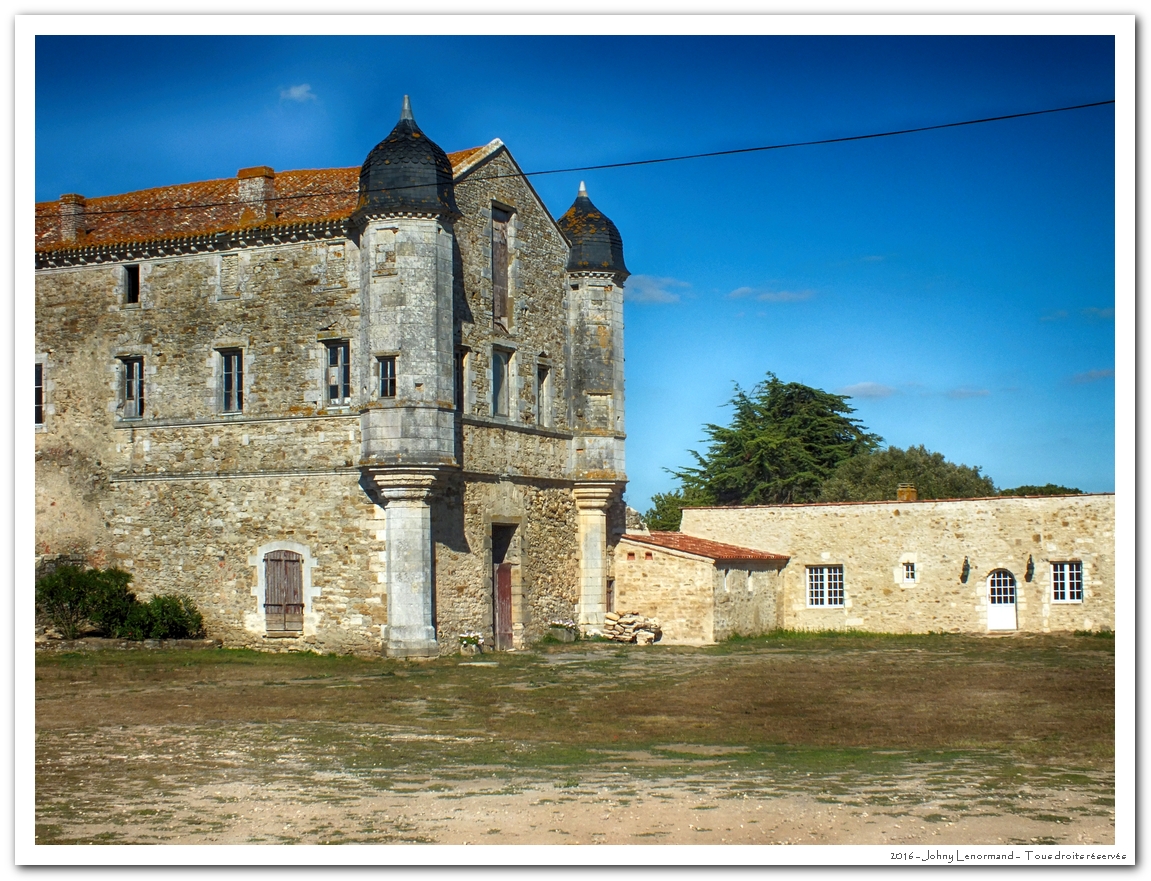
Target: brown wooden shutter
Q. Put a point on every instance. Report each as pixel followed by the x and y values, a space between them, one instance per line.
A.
pixel 284 591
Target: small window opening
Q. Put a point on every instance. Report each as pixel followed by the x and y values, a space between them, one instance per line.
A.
pixel 647 555
pixel 39 394
pixel 543 396
pixel 339 374
pixel 630 556
pixel 131 284
pixel 387 376
pixel 500 363
pixel 133 387
pixel 461 358
pixel 233 385
pixel 908 573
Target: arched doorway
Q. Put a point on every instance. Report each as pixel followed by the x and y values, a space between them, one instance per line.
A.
pixel 1001 613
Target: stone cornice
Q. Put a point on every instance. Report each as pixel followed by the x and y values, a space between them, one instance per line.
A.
pixel 181 246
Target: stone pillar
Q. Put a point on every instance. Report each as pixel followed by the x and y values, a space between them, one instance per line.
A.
pixel 592 501
pixel 411 632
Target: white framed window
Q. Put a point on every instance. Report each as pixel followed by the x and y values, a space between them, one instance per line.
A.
pixel 132 388
pixel 232 380
pixel 825 586
pixel 387 369
pixel 501 379
pixel 1067 582
pixel 338 374
pixel 909 573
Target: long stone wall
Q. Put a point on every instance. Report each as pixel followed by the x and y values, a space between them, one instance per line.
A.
pixel 954 546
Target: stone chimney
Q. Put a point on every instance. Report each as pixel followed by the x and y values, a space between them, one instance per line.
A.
pixel 906 492
pixel 71 217
pixel 257 192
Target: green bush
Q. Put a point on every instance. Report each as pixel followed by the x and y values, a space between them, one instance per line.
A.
pixel 166 616
pixel 65 597
pixel 71 597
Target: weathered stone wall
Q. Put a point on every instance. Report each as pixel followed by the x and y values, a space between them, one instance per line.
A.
pixel 745 601
pixel 872 540
pixel 677 589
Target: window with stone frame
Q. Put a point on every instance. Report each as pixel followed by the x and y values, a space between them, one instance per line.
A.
pixel 386 366
pixel 338 374
pixel 909 573
pixel 132 285
pixel 501 380
pixel 825 586
pixel 231 380
pixel 500 219
pixel 1067 582
pixel 543 395
pixel 132 387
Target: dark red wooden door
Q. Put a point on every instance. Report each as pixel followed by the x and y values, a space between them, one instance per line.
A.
pixel 503 622
pixel 284 591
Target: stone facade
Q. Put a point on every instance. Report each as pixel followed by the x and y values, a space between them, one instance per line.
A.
pixel 920 566
pixel 359 384
pixel 701 592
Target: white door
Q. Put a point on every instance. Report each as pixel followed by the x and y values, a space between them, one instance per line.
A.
pixel 1001 601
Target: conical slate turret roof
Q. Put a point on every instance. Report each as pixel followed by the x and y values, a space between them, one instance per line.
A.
pixel 596 245
pixel 406 173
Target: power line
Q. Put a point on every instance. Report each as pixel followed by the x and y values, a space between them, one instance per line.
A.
pixel 636 162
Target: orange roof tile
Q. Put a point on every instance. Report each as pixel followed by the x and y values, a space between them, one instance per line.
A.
pixel 701 547
pixel 205 207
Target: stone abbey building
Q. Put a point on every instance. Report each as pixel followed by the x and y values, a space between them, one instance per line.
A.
pixel 347 409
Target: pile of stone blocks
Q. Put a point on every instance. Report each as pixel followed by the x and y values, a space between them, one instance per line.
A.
pixel 631 627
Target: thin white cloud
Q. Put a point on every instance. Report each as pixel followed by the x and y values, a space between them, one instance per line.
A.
pixel 772 296
pixel 302 92
pixel 868 390
pixel 1057 315
pixel 653 289
pixel 1092 376
pixel 965 392
pixel 1097 314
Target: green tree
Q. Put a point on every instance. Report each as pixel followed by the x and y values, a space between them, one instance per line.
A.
pixel 785 439
pixel 1048 489
pixel 875 476
pixel 666 510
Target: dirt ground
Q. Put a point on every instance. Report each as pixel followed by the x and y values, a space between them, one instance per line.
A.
pixel 217 748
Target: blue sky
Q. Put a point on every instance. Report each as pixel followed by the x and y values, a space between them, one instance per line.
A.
pixel 959 284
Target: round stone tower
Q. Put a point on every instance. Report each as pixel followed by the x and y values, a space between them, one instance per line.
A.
pixel 595 274
pixel 404 221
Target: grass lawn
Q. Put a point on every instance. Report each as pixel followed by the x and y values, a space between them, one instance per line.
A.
pixel 966 723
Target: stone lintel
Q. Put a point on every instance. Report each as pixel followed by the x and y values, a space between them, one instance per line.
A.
pixel 595 495
pixel 406 484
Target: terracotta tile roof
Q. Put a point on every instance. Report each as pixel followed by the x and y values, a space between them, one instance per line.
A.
pixel 701 547
pixel 205 207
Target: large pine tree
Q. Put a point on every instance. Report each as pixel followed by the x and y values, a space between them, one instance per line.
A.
pixel 784 441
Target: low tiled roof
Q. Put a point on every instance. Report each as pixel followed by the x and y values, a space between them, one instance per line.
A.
pixel 205 207
pixel 701 547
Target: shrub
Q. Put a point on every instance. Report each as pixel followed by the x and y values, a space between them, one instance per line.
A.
pixel 165 616
pixel 65 597
pixel 72 596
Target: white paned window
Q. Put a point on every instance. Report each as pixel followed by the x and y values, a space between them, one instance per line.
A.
pixel 133 387
pixel 1067 582
pixel 825 586
pixel 338 377
pixel 387 376
pixel 232 387
pixel 909 573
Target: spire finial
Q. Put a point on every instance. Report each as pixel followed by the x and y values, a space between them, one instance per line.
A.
pixel 406 112
pixel 582 190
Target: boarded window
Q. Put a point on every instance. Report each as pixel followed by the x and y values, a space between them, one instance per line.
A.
pixel 229 276
pixel 284 591
pixel 543 396
pixel 500 220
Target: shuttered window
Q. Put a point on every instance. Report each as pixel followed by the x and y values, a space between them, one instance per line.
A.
pixel 284 591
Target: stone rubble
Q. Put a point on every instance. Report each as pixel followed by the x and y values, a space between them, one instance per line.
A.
pixel 631 627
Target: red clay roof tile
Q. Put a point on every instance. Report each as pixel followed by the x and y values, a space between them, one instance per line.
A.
pixel 206 207
pixel 701 547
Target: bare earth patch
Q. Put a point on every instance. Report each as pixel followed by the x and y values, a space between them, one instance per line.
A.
pixel 235 748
